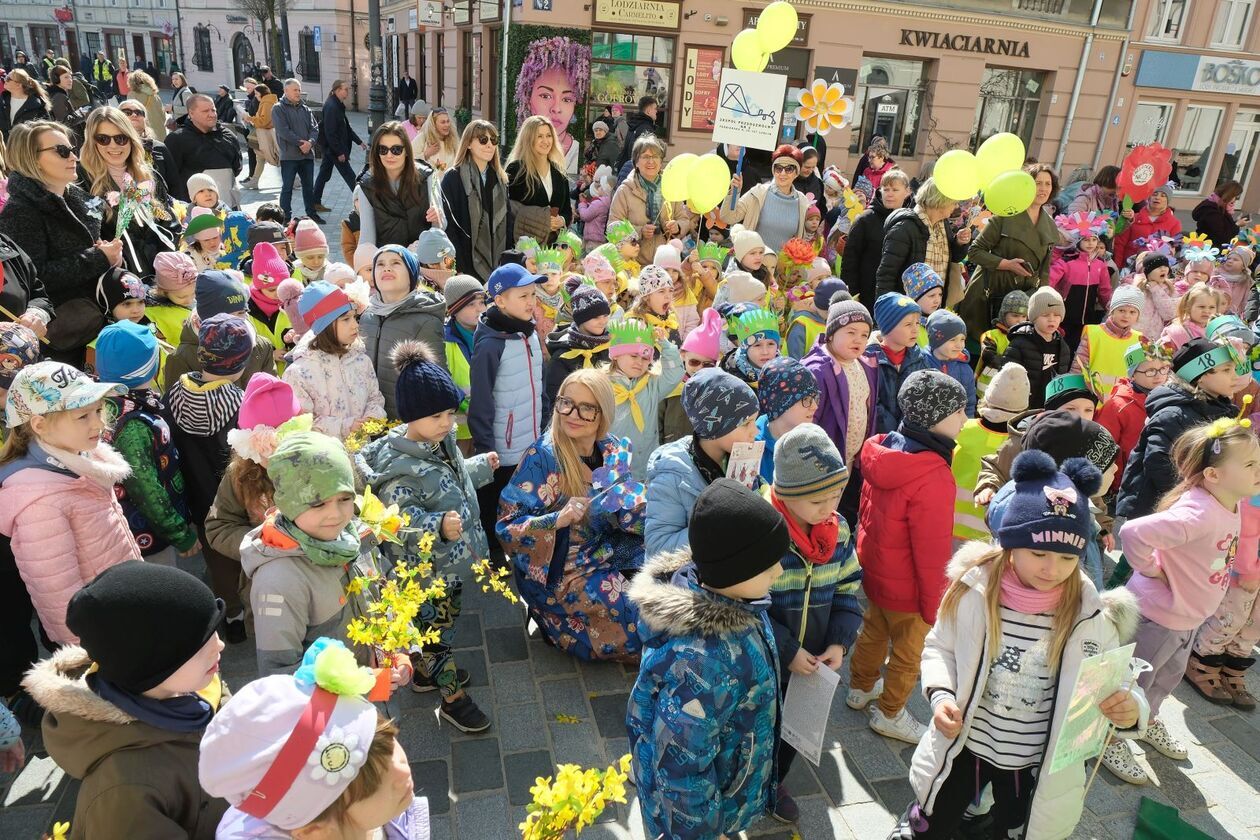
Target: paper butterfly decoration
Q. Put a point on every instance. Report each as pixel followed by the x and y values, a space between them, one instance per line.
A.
pixel 824 107
pixel 615 491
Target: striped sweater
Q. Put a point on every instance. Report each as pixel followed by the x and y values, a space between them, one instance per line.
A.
pixel 204 412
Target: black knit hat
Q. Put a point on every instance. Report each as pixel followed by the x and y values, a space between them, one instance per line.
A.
pixel 587 303
pixel 140 622
pixel 424 387
pixel 1063 435
pixel 1152 262
pixel 735 534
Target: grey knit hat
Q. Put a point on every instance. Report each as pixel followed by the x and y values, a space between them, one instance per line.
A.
pixel 928 396
pixel 1007 394
pixel 844 312
pixel 807 464
pixel 1044 300
pixel 458 292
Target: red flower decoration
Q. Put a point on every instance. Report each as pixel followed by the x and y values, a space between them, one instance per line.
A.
pixel 1144 169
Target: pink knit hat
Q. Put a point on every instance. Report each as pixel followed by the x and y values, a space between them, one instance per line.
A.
pixel 597 267
pixel 308 237
pixel 270 269
pixel 290 291
pixel 174 270
pixel 268 402
pixel 667 256
pixel 703 340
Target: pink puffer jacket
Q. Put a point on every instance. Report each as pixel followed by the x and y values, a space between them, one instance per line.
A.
pixel 66 529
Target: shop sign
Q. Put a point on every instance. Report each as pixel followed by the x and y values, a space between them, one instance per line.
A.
pixel 963 43
pixel 846 76
pixel 1207 73
pixel 652 14
pixel 802 26
pixel 792 62
pixel 1235 76
pixel 237 19
pixel 702 72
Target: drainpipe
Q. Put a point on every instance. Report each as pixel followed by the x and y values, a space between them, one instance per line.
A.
pixel 503 63
pixel 1076 86
pixel 1115 88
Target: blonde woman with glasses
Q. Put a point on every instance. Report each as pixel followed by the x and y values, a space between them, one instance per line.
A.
pixel 475 202
pixel 537 186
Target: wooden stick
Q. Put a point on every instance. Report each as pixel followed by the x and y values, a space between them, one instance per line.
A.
pixel 6 313
pixel 1111 730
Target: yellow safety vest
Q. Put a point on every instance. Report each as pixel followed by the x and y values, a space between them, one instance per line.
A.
pixel 984 375
pixel 813 329
pixel 461 374
pixel 974 442
pixel 1106 358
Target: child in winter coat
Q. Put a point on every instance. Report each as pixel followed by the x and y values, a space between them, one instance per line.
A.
pixel 708 259
pixel 399 309
pixel 723 412
pixel 1038 345
pixel 683 304
pixel 334 379
pixel 465 301
pixel 1101 353
pixel 756 334
pixel 57 502
pixel 788 397
pixel 365 781
pixel 748 253
pixel 217 293
pixel 947 339
pixel 654 303
pixel 814 610
pixel 265 312
pixel 600 271
pixel 1000 693
pixel 1004 399
pixel 419 468
pixel 203 238
pixel 896 355
pixel 704 709
pixel 127 705
pixel 1123 412
pixel 926 288
pixel 152 496
pixel 435 255
pixel 1183 556
pixel 1154 281
pixel 637 389
pixel 624 238
pixel 1196 308
pixel 583 343
pixel 993 343
pixel 203 192
pixel 1235 272
pixel 174 278
pixel 1079 273
pixel 121 296
pixel 907 486
pixel 550 302
pixel 310 246
pixel 593 208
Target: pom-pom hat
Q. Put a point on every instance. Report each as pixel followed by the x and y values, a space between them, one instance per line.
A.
pixel 1049 510
pixel 424 387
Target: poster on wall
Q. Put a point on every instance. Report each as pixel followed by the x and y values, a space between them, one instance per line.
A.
pixel 703 72
pixel 750 108
pixel 549 72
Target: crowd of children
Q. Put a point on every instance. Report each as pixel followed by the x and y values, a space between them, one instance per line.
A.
pixel 710 452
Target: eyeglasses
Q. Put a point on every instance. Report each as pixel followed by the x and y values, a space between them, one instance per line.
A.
pixel 648 156
pixel 116 139
pixel 396 149
pixel 63 151
pixel 132 112
pixel 809 403
pixel 786 167
pixel 1157 372
pixel 486 139
pixel 585 411
pixel 699 364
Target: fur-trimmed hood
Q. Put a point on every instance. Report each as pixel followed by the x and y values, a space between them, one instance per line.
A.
pixel 1119 606
pixel 672 602
pixel 58 685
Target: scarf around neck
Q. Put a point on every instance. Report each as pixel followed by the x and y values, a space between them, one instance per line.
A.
pixel 344 549
pixel 381 309
pixel 710 470
pixel 652 189
pixel 269 306
pixel 818 545
pixel 481 230
pixel 185 713
pixel 623 394
pixel 1025 599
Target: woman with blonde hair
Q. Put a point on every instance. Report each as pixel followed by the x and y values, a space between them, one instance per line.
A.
pixel 475 201
pixel 24 100
pixel 113 152
pixel 537 186
pixel 571 542
pixel 435 141
pixel 145 91
pixel 268 146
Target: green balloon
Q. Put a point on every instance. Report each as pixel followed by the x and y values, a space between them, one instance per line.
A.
pixel 1010 193
pixel 957 175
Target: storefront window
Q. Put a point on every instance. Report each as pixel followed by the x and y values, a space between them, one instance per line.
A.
pixel 1167 17
pixel 626 67
pixel 1150 123
pixel 1233 17
pixel 1192 155
pixel 1008 102
pixel 889 100
pixel 1240 153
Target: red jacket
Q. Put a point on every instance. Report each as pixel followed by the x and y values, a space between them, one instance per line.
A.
pixel 1123 415
pixel 1141 227
pixel 905 525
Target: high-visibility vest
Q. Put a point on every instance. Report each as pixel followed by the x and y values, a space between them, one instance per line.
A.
pixel 974 442
pixel 813 329
pixel 984 375
pixel 1106 358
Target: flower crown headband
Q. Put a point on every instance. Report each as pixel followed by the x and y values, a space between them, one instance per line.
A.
pixel 1197 246
pixel 1081 224
pixel 259 443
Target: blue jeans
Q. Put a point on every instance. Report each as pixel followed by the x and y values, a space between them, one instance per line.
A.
pixel 303 168
pixel 326 164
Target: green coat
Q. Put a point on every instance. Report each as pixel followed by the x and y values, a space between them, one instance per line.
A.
pixel 1010 237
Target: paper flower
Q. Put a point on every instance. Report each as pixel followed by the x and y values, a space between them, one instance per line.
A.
pixel 1081 224
pixel 1248 236
pixel 337 757
pixel 1143 170
pixel 1196 240
pixel 1194 253
pixel 824 107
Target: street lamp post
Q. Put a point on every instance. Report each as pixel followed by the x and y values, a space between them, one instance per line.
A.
pixel 376 89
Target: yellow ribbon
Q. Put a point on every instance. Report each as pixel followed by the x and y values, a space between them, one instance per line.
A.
pixel 622 393
pixel 653 320
pixel 584 355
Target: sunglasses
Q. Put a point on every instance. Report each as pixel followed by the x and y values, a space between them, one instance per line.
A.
pixel 116 139
pixel 486 139
pixel 786 167
pixel 63 151
pixel 585 411
pixel 396 149
pixel 132 112
pixel 699 364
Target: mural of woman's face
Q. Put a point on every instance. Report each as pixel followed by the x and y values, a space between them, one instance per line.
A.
pixel 554 97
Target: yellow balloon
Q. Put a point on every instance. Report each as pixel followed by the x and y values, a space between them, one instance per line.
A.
pixel 674 178
pixel 776 26
pixel 746 52
pixel 1000 153
pixel 957 175
pixel 708 183
pixel 1010 193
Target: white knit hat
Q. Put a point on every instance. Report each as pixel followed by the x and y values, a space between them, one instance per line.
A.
pixel 744 240
pixel 742 287
pixel 1126 295
pixel 1007 394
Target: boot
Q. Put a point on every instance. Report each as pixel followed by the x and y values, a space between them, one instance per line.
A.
pixel 1204 673
pixel 1234 680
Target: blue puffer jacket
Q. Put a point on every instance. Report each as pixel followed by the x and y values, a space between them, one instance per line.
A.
pixel 426 484
pixel 703 717
pixel 507 405
pixel 887 412
pixel 959 370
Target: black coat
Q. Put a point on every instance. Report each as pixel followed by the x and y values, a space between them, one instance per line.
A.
pixel 276 86
pixel 862 251
pixel 191 151
pixel 336 136
pixel 1212 221
pixel 160 160
pixel 23 289
pixel 604 152
pixel 407 91
pixel 225 108
pixel 905 243
pixel 812 185
pixel 1044 360
pixel 61 107
pixel 458 225
pixel 519 190
pixel 33 108
pixel 637 124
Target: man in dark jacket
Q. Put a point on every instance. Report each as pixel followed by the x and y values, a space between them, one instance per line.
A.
pixel 269 79
pixel 202 143
pixel 296 133
pixel 643 122
pixel 407 92
pixel 224 107
pixel 865 243
pixel 335 137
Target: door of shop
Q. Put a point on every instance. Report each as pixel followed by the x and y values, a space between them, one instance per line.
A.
pixel 1244 143
pixel 242 57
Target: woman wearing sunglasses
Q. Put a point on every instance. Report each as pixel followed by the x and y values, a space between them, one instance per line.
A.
pixel 58 225
pixel 24 100
pixel 113 152
pixel 573 541
pixel 776 209
pixel 393 199
pixel 475 202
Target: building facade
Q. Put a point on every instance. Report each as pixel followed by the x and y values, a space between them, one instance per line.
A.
pixel 134 30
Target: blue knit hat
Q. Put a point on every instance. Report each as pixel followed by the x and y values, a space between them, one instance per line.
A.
pixel 942 326
pixel 408 258
pixel 717 403
pixel 321 304
pixel 826 291
pixel 919 279
pixel 127 353
pixel 1049 510
pixel 424 387
pixel 891 308
pixel 784 382
pixel 219 292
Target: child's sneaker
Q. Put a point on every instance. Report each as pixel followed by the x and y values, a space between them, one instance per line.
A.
pixel 1158 736
pixel 1118 758
pixel 464 715
pixel 421 683
pixel 861 699
pixel 785 808
pixel 903 727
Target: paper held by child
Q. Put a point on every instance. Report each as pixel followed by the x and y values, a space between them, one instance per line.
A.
pixel 806 710
pixel 1084 730
pixel 744 465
